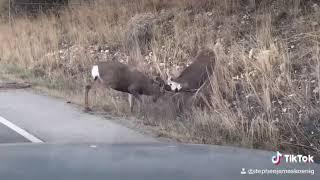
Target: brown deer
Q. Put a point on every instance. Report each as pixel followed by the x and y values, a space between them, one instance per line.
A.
pixel 195 75
pixel 120 77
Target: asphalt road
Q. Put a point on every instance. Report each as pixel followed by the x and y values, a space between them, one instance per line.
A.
pixel 7 135
pixel 154 161
pixel 54 121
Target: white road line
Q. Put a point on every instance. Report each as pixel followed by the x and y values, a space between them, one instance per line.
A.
pixel 20 131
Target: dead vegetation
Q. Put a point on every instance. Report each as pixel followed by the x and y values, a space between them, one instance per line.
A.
pixel 266 84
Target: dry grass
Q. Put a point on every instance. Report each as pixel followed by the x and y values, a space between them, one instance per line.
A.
pixel 265 89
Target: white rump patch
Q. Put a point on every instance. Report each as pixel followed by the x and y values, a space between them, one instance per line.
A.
pixel 174 85
pixel 95 72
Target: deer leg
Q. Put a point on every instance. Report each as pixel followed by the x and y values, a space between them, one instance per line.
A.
pixel 88 87
pixel 130 99
pixel 155 98
pixel 133 90
pixel 86 97
pixel 139 99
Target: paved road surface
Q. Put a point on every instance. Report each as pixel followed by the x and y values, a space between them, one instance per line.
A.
pixel 7 135
pixel 140 161
pixel 52 120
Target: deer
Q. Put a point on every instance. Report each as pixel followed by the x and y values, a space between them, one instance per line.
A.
pixel 195 75
pixel 120 77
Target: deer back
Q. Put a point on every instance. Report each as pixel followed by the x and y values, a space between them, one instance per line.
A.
pixel 198 72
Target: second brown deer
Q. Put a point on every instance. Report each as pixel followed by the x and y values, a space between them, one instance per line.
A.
pixel 195 75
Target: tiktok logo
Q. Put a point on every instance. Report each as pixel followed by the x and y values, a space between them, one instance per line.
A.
pixel 277 158
pixel 290 158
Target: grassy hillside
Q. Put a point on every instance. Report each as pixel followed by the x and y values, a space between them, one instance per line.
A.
pixel 265 89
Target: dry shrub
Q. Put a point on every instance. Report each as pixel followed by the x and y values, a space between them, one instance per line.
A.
pixel 139 32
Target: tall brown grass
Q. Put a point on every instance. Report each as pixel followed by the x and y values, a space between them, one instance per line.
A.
pixel 265 89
